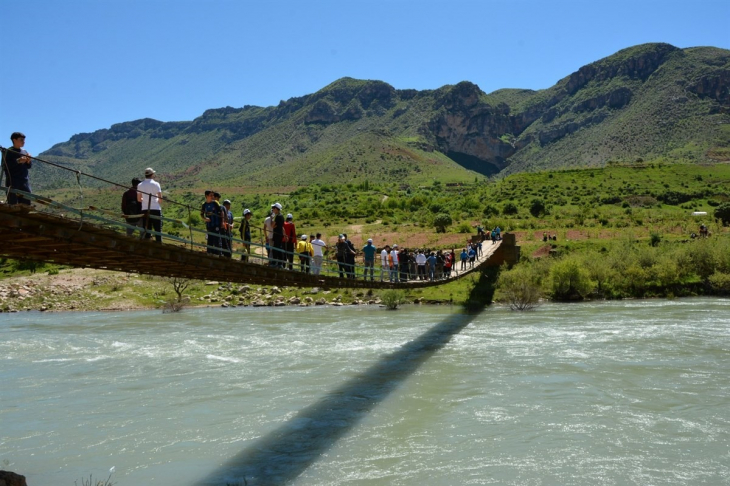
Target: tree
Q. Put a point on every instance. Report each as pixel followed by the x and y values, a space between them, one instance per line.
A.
pixel 520 288
pixel 537 207
pixel 509 209
pixel 722 212
pixel 490 211
pixel 441 221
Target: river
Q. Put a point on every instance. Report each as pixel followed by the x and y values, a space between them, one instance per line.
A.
pixel 605 393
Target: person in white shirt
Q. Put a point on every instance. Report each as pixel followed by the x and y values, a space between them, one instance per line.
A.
pixel 318 245
pixel 421 262
pixel 394 267
pixel 149 194
pixel 384 263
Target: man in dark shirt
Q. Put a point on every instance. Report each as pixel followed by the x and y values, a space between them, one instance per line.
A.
pixel 211 214
pixel 132 207
pixel 16 163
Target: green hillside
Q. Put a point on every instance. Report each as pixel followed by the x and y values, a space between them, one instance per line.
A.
pixel 650 102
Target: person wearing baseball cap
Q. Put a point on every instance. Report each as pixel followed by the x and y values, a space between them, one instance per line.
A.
pixel 245 230
pixel 149 194
pixel 368 252
pixel 16 163
pixel 212 215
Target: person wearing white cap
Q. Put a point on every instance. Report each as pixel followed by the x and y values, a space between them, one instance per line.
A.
pixel 149 194
pixel 305 252
pixel 245 230
pixel 278 253
pixel 368 252
pixel 290 239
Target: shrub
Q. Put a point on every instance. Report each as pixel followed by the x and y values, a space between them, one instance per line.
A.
pixel 392 299
pixel 490 211
pixel 722 212
pixel 520 288
pixel 570 281
pixel 441 221
pixel 464 228
pixel 509 209
pixel 537 207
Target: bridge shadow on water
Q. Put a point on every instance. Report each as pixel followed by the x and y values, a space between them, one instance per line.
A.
pixel 286 452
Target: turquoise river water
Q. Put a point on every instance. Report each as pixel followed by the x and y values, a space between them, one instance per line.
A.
pixel 617 393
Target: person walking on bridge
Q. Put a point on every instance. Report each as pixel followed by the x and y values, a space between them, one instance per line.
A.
pixel 16 163
pixel 149 193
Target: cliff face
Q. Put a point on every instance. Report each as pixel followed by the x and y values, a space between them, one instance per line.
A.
pixel 639 102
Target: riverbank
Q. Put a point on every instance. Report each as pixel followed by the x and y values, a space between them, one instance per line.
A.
pixel 85 289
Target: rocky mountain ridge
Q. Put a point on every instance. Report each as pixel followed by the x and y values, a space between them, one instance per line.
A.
pixel 648 101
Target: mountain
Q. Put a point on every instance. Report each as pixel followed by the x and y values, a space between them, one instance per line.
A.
pixel 652 101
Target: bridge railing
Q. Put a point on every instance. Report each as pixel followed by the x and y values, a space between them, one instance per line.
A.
pixel 195 239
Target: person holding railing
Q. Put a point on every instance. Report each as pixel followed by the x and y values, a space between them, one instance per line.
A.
pixel 149 193
pixel 16 163
pixel 132 208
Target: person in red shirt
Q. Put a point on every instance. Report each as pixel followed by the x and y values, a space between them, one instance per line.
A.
pixel 290 240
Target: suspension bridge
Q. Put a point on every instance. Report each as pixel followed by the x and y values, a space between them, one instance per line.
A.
pixel 95 237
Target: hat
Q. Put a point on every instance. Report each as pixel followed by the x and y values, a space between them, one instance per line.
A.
pixel 136 181
pixel 289 216
pixel 277 206
pixel 342 236
pixel 370 240
pixel 149 171
pixel 227 201
pixel 246 211
pixel 304 237
pixel 395 246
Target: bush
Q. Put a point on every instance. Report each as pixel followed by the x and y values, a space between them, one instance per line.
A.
pixel 490 211
pixel 537 207
pixel 464 228
pixel 509 209
pixel 722 212
pixel 570 281
pixel 520 288
pixel 441 221
pixel 392 299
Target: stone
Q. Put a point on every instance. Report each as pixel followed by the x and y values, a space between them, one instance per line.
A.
pixel 8 478
pixel 321 301
pixel 211 283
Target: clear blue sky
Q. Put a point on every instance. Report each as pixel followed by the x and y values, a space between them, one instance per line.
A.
pixel 72 66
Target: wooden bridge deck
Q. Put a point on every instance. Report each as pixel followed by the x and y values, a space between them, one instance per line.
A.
pixel 27 234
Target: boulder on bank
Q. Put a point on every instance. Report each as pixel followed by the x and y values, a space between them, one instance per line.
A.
pixel 8 478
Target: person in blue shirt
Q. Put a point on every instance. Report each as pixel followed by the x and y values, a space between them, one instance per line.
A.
pixel 368 252
pixel 431 263
pixel 472 256
pixel 16 163
pixel 464 258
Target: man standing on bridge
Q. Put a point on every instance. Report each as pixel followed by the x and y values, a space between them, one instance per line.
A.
pixel 16 162
pixel 149 193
